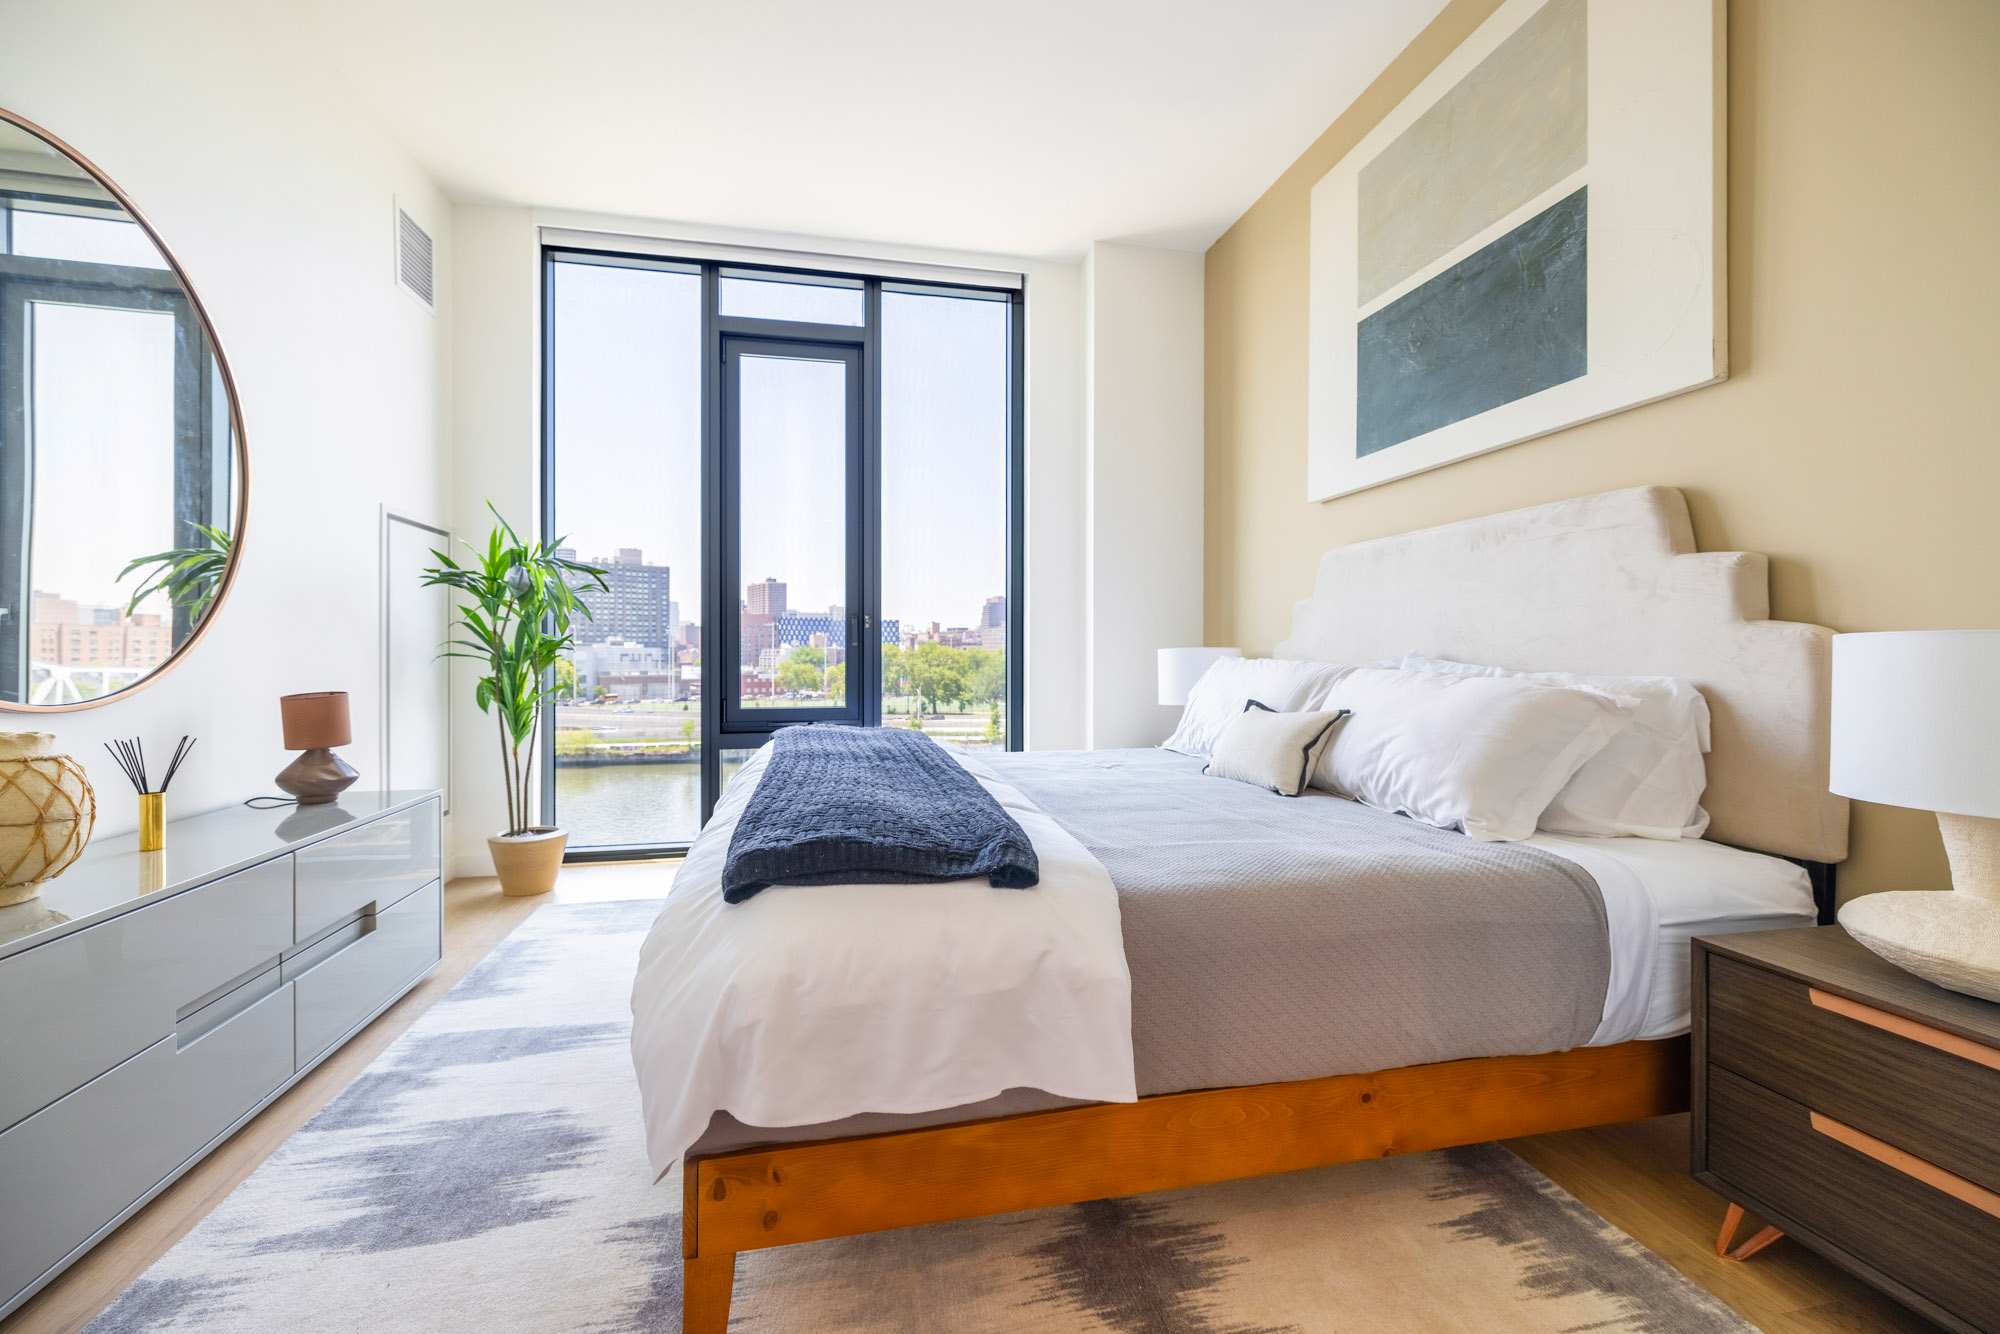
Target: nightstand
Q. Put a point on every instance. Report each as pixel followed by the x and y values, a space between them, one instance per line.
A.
pixel 1857 1108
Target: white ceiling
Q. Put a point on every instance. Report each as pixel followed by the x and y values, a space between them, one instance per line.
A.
pixel 1031 127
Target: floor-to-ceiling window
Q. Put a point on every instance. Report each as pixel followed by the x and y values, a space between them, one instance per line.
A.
pixel 805 489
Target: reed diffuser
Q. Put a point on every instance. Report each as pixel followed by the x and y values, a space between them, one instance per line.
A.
pixel 131 757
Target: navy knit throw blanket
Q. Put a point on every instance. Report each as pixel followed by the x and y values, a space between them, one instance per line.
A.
pixel 847 805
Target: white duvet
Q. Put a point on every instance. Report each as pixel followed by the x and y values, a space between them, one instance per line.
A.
pixel 777 1011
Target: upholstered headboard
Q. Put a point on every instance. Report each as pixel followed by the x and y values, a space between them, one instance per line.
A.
pixel 1609 584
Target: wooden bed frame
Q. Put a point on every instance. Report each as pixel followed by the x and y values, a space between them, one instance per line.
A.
pixel 781 1194
pixel 1611 584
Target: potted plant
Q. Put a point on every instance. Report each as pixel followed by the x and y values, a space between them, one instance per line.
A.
pixel 518 600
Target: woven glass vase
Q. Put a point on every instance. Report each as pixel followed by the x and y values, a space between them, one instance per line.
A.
pixel 47 810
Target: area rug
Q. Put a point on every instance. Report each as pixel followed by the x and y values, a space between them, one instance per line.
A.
pixel 486 1174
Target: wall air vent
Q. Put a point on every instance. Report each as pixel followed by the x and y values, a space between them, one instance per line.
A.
pixel 415 270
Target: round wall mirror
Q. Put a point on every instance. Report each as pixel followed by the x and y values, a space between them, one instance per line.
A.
pixel 122 468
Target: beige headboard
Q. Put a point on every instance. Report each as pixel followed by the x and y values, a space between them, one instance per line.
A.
pixel 1609 584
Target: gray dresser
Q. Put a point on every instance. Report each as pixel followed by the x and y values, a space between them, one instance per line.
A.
pixel 151 1003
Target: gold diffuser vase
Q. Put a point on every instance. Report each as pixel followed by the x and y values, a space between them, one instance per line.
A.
pixel 131 757
pixel 152 821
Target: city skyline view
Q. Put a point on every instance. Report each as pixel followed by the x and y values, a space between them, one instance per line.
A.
pixel 627 409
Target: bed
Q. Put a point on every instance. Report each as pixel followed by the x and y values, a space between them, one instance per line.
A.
pixel 1267 1035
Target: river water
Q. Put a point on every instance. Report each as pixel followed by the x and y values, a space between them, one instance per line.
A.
pixel 629 803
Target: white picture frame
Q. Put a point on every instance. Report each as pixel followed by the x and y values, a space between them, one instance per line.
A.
pixel 1465 358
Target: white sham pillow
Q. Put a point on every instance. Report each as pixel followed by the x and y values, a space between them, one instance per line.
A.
pixel 1285 685
pixel 1273 750
pixel 1647 782
pixel 1485 754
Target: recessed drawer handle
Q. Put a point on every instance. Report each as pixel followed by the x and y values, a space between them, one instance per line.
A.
pixel 1909 1164
pixel 1906 1028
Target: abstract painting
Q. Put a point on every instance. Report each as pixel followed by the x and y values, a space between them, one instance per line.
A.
pixel 1531 239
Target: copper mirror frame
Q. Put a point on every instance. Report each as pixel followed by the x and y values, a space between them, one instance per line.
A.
pixel 239 448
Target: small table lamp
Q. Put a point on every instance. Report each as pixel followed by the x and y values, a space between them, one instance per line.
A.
pixel 316 723
pixel 1180 668
pixel 1916 722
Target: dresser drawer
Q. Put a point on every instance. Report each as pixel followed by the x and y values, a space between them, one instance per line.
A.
pixel 378 863
pixel 75 1007
pixel 74 1166
pixel 354 972
pixel 1934 1103
pixel 1944 1249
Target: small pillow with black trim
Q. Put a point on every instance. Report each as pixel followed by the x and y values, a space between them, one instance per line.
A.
pixel 1271 749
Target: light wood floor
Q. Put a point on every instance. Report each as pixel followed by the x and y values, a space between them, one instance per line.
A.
pixel 1634 1175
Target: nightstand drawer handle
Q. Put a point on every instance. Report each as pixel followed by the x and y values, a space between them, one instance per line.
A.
pixel 1906 1028
pixel 1909 1164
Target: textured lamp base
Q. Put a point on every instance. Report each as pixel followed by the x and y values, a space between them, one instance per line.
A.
pixel 316 776
pixel 1952 939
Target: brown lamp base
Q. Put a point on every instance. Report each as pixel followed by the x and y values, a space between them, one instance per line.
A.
pixel 317 776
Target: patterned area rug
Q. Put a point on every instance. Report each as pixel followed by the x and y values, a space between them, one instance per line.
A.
pixel 486 1174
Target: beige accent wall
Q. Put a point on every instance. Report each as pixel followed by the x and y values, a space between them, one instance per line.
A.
pixel 1857 440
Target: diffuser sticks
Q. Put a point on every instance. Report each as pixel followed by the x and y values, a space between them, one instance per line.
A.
pixel 131 757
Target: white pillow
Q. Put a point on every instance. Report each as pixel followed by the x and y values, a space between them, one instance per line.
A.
pixel 1648 781
pixel 1272 750
pixel 1285 685
pixel 1485 754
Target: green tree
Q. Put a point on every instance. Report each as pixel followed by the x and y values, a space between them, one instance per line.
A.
pixel 836 681
pixel 688 730
pixel 565 678
pixel 895 670
pixel 996 731
pixel 797 675
pixel 988 677
pixel 938 673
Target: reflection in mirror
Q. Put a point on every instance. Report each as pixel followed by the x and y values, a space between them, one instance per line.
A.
pixel 118 475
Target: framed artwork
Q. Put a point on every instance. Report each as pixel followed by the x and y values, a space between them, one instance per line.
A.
pixel 1533 238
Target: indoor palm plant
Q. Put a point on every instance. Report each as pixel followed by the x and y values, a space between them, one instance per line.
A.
pixel 517 602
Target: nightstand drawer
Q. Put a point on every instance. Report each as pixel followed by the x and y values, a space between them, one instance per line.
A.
pixel 1839 1059
pixel 1944 1248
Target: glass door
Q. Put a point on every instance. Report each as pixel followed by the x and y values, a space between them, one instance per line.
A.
pixel 791 539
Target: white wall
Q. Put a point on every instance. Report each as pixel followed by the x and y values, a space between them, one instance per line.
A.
pixel 496 379
pixel 272 184
pixel 1143 490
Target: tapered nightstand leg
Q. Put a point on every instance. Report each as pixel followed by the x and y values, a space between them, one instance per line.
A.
pixel 1730 1222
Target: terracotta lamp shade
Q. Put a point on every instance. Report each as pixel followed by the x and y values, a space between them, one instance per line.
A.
pixel 315 723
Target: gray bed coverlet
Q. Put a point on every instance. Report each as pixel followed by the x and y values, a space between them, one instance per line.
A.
pixel 1276 938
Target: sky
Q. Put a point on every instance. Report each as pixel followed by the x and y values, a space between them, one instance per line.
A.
pixel 104 462
pixel 628 444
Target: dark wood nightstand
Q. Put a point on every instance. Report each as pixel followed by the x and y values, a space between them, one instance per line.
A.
pixel 1856 1107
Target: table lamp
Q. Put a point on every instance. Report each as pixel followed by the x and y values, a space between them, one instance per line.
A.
pixel 1916 722
pixel 1180 668
pixel 315 723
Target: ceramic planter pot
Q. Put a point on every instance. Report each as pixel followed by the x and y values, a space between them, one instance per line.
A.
pixel 47 810
pixel 527 863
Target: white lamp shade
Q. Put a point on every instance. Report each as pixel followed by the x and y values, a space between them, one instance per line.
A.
pixel 1916 719
pixel 1180 668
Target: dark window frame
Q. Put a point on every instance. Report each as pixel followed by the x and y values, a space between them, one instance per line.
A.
pixel 719 732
